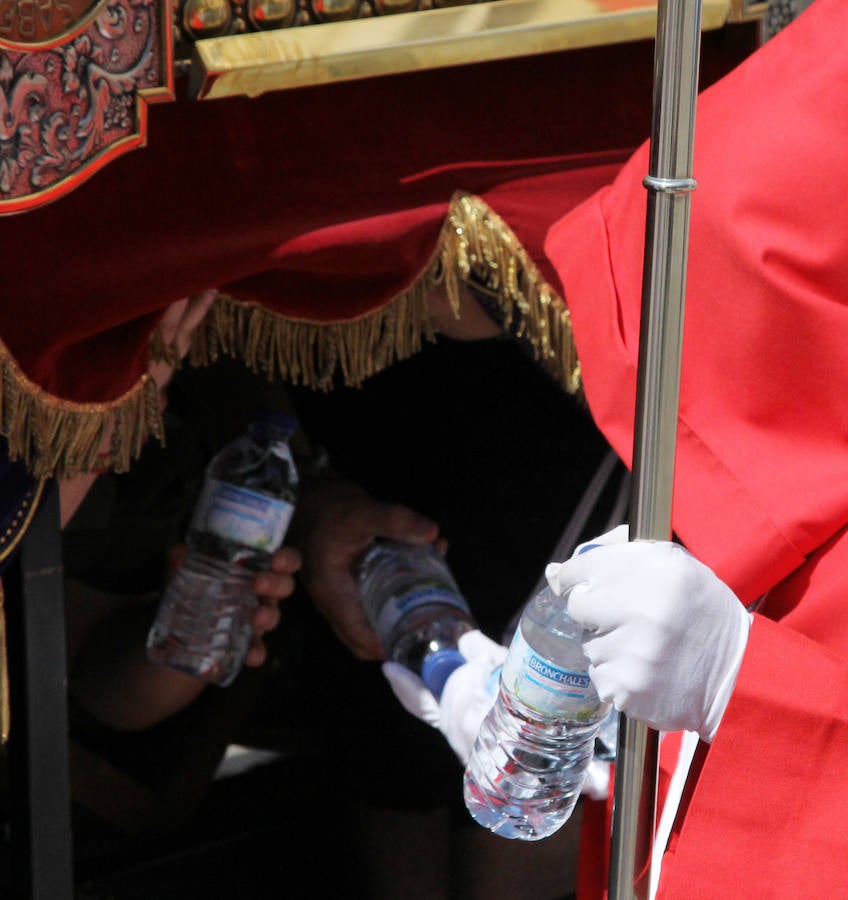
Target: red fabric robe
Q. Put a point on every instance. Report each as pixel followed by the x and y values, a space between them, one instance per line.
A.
pixel 761 488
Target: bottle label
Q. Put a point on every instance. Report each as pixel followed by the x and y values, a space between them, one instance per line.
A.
pixel 242 516
pixel 546 687
pixel 422 593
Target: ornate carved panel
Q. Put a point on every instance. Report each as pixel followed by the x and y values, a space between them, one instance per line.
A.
pixel 75 79
pixel 76 75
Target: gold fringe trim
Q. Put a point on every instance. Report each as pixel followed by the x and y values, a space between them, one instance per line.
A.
pixel 479 247
pixel 59 437
pixel 475 245
pixel 162 352
pixel 311 353
pixel 5 715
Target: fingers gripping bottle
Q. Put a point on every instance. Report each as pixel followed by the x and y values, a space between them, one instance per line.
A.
pixel 413 603
pixel 532 752
pixel 203 625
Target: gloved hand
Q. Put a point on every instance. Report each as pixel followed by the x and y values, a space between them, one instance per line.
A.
pixel 664 636
pixel 597 782
pixel 468 694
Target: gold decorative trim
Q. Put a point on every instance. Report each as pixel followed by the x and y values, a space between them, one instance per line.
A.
pixel 747 10
pixel 62 438
pixel 475 245
pixel 8 542
pixel 479 247
pixel 313 353
pixel 5 714
pixel 17 528
pixel 164 352
pixel 255 63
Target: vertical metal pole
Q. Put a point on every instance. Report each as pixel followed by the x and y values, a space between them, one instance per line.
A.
pixel 669 184
pixel 42 857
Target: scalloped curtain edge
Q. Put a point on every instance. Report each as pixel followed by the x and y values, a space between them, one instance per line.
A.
pixel 63 438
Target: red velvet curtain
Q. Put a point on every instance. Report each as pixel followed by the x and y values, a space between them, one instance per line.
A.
pixel 321 203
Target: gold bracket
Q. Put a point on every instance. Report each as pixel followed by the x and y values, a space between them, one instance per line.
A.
pixel 747 10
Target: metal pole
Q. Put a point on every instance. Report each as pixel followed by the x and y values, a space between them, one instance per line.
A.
pixel 669 184
pixel 40 795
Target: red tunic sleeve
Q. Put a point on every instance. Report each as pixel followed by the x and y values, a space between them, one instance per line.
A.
pixel 761 481
pixel 769 814
pixel 762 464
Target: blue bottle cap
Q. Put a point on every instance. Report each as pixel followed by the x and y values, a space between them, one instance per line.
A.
pixel 587 548
pixel 437 668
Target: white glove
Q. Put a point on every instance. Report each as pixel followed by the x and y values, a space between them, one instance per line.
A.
pixel 597 782
pixel 664 636
pixel 467 697
pixel 619 535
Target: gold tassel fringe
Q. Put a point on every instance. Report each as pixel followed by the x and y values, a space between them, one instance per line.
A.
pixel 58 437
pixel 312 353
pixel 475 246
pixel 479 247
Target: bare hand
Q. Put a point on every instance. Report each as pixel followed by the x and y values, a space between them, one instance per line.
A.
pixel 271 586
pixel 176 327
pixel 467 323
pixel 338 520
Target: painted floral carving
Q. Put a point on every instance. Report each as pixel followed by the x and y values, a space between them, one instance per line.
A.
pixel 23 101
pixel 64 108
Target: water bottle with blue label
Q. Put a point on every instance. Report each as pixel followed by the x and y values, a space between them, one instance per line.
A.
pixel 414 604
pixel 533 750
pixel 246 503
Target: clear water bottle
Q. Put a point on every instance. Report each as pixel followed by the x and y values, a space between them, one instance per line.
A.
pixel 532 752
pixel 606 743
pixel 413 603
pixel 247 501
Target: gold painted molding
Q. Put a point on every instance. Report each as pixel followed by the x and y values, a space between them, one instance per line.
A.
pixel 747 10
pixel 253 64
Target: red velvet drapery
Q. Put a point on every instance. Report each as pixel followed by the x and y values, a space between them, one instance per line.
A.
pixel 320 204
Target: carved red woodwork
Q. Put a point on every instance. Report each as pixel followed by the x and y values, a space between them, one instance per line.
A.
pixel 75 80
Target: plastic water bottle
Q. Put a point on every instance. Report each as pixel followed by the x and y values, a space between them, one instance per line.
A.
pixel 532 752
pixel 413 603
pixel 606 743
pixel 249 492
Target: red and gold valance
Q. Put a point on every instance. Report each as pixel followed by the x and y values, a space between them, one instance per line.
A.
pixel 337 205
